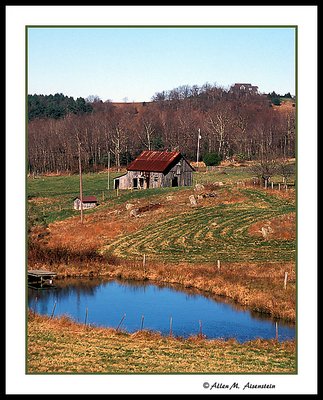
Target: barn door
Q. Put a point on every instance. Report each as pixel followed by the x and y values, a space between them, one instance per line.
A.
pixel 175 181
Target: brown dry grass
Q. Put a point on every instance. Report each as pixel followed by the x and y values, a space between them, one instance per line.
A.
pixel 104 225
pixel 283 193
pixel 281 228
pixel 100 227
pixel 260 287
pixel 72 249
pixel 59 345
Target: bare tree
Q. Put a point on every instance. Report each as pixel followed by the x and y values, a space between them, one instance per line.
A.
pixel 219 123
pixel 265 169
pixel 228 124
pixel 286 169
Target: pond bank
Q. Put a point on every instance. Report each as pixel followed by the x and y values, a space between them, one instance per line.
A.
pixel 160 307
pixel 75 348
pixel 260 288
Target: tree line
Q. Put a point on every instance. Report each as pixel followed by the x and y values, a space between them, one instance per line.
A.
pixel 55 106
pixel 230 125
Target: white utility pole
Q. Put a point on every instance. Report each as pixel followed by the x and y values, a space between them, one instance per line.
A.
pixel 81 188
pixel 198 148
pixel 108 169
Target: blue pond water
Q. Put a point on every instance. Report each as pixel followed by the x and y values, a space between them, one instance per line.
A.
pixel 135 305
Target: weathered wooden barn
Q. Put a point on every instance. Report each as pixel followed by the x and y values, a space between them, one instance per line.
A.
pixel 154 169
pixel 88 202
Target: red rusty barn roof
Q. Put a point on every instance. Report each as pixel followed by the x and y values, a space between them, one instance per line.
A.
pixel 154 161
pixel 88 199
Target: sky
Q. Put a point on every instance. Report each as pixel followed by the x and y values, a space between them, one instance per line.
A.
pixel 132 64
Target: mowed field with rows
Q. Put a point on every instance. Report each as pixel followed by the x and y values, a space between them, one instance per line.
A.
pixel 220 232
pixel 227 227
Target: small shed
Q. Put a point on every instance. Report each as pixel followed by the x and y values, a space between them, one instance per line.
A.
pixel 154 169
pixel 88 202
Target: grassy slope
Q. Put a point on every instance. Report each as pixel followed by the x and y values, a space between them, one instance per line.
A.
pixel 51 197
pixel 62 346
pixel 255 280
pixel 211 232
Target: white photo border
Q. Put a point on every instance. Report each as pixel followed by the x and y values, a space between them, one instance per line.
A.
pixel 17 18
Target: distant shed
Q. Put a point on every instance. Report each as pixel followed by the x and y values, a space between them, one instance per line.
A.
pixel 88 202
pixel 154 169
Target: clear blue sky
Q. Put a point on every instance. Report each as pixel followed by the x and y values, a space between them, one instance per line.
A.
pixel 135 63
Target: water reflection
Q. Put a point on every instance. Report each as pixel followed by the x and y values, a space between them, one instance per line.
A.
pixel 108 301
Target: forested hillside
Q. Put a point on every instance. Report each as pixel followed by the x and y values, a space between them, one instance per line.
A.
pixel 55 106
pixel 248 126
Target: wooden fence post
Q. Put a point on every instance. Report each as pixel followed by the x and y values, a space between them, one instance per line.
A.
pixel 35 305
pixel 124 316
pixel 219 265
pixel 200 328
pixel 144 264
pixel 285 280
pixel 53 310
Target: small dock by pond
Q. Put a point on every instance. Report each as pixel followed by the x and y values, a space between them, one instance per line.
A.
pixel 41 278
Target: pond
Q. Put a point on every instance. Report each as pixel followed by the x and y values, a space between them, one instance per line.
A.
pixel 131 306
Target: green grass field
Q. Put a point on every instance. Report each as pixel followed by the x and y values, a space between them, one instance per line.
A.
pixel 182 244
pixel 51 197
pixel 206 234
pixel 203 234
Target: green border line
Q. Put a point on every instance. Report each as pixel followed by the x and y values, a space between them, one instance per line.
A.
pixel 296 188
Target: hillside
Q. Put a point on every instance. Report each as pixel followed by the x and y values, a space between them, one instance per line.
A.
pixel 182 243
pixel 287 105
pixel 238 242
pixel 248 126
pixel 139 105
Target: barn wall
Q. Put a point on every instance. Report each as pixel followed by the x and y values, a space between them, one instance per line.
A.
pixel 124 181
pixel 77 205
pixel 156 180
pixel 182 171
pixel 89 205
pixel 127 181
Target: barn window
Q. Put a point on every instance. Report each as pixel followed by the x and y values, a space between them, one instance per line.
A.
pixel 155 178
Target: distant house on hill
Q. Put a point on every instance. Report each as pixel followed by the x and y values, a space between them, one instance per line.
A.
pixel 154 169
pixel 243 88
pixel 88 202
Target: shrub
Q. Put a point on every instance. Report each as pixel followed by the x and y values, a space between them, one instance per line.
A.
pixel 211 159
pixel 240 157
